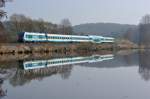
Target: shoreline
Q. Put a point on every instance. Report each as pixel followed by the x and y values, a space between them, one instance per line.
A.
pixel 31 48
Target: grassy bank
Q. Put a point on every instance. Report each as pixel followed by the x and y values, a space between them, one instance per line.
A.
pixel 22 48
pixel 29 48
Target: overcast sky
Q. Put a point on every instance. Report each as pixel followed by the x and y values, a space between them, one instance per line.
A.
pixel 82 11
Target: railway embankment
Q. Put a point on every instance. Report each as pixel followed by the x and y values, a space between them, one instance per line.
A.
pixel 29 48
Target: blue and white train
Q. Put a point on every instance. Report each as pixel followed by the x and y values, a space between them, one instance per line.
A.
pixel 46 37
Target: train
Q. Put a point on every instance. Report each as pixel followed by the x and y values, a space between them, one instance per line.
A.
pixel 47 37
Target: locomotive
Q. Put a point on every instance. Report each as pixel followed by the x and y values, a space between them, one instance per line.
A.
pixel 46 37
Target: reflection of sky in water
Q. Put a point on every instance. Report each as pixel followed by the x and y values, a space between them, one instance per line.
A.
pixel 116 78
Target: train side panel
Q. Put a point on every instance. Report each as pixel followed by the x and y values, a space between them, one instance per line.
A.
pixel 34 37
pixel 67 38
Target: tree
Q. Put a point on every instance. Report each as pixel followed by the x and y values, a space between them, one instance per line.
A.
pixel 20 23
pixel 2 12
pixel 66 27
pixel 66 23
pixel 3 34
pixel 2 4
pixel 144 31
pixel 145 19
pixel 128 34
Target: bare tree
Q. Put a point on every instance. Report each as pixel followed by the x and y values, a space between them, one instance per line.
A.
pixel 66 27
pixel 20 23
pixel 3 37
pixel 2 4
pixel 66 23
pixel 144 31
pixel 145 19
pixel 2 12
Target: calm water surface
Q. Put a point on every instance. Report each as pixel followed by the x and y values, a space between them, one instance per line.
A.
pixel 125 76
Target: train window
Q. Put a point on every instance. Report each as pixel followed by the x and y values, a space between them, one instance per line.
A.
pixel 35 36
pixel 29 36
pixel 41 36
pixel 51 37
pixel 28 65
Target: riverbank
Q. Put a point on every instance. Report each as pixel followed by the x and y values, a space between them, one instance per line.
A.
pixel 26 48
pixel 30 48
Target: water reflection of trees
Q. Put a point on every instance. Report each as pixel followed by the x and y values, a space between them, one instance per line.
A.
pixel 25 76
pixel 2 91
pixel 5 73
pixel 18 77
pixel 144 64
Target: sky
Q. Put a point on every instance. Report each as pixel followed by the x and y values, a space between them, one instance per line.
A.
pixel 82 11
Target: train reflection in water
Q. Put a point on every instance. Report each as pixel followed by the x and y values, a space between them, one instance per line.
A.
pixel 27 65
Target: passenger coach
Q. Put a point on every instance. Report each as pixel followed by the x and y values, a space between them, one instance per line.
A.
pixel 45 37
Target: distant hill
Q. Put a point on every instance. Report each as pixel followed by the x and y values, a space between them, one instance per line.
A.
pixel 107 29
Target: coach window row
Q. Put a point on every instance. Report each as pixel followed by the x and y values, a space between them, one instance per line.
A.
pixel 76 38
pixel 56 37
pixel 35 36
pixel 28 36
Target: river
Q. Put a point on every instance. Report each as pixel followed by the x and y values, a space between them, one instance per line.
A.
pixel 119 75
